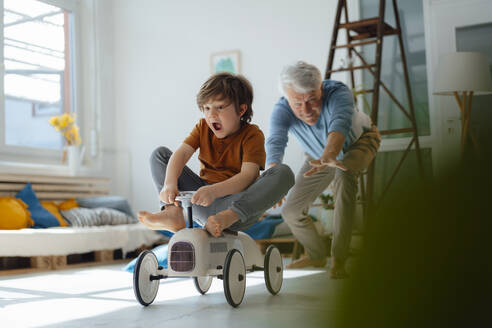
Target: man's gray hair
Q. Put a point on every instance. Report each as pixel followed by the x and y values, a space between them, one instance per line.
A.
pixel 301 76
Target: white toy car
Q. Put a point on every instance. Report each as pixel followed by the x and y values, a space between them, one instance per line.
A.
pixel 193 252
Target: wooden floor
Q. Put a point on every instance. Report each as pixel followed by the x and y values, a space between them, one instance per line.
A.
pixel 102 296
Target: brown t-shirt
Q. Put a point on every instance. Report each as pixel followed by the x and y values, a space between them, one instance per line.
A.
pixel 222 158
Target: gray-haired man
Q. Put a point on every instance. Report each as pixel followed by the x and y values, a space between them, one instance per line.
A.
pixel 339 142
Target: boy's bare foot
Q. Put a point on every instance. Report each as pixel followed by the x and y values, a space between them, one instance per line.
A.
pixel 305 261
pixel 337 269
pixel 220 221
pixel 170 219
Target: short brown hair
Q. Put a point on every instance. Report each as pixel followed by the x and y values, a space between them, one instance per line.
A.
pixel 235 88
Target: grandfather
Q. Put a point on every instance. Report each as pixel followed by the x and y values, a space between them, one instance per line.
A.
pixel 339 142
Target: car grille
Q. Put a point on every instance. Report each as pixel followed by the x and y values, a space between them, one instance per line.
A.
pixel 182 257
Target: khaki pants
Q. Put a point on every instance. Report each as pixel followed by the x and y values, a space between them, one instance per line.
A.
pixel 307 189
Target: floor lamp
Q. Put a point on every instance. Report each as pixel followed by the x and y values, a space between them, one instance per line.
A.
pixel 463 75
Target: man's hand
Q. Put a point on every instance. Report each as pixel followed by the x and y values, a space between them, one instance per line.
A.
pixel 204 196
pixel 169 193
pixel 322 163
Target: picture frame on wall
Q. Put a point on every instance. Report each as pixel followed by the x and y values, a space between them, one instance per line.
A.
pixel 225 61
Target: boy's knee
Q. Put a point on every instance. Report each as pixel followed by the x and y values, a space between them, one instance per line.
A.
pixel 285 174
pixel 161 154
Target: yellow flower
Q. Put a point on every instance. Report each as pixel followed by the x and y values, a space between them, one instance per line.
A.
pixel 54 120
pixel 65 123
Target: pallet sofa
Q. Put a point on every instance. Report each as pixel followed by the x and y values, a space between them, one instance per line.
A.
pixel 29 249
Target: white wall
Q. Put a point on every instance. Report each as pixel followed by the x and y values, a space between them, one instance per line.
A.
pixel 442 18
pixel 160 58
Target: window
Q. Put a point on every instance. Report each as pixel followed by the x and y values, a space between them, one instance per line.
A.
pixel 390 116
pixel 38 76
pixel 412 24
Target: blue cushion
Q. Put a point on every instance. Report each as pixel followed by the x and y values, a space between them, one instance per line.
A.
pixel 115 202
pixel 161 254
pixel 42 218
pixel 265 228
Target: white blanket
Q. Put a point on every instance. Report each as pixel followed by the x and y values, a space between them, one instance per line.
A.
pixel 75 240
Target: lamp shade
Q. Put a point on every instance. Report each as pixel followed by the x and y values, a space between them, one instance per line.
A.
pixel 463 71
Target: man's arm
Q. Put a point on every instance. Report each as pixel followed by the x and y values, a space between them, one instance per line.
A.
pixel 334 145
pixel 341 108
pixel 237 183
pixel 176 164
pixel 278 134
pixel 278 138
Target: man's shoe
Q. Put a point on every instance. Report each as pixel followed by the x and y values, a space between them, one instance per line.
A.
pixel 337 269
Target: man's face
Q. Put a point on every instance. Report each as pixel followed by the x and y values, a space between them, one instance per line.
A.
pixel 306 106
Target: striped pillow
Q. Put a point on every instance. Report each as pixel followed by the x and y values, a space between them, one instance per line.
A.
pixel 88 217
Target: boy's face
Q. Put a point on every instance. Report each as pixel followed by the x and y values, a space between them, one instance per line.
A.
pixel 221 117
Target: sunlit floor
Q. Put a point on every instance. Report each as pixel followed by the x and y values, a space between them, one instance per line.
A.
pixel 103 297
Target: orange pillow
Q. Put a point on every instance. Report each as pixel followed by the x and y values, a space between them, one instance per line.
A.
pixel 53 209
pixel 68 205
pixel 14 214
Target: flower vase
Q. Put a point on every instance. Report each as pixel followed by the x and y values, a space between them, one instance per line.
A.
pixel 73 159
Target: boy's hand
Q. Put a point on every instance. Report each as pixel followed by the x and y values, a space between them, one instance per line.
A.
pixel 280 202
pixel 204 196
pixel 169 193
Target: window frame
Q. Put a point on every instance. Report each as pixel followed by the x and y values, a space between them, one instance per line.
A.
pixel 34 155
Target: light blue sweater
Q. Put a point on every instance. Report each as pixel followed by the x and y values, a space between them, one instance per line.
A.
pixel 337 114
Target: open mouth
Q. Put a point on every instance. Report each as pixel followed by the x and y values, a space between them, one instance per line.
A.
pixel 217 126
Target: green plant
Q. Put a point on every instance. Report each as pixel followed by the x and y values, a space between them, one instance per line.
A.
pixel 327 201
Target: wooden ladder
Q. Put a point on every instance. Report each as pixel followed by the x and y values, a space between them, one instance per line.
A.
pixel 361 33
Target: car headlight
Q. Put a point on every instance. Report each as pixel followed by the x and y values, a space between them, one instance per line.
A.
pixel 182 257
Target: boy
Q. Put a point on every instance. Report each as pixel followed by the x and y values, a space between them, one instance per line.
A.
pixel 229 193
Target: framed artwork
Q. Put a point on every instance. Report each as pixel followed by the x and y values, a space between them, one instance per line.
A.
pixel 225 61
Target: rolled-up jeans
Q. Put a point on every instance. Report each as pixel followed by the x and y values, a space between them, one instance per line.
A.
pixel 307 189
pixel 250 204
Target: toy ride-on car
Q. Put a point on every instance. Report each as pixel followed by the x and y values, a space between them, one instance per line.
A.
pixel 193 252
